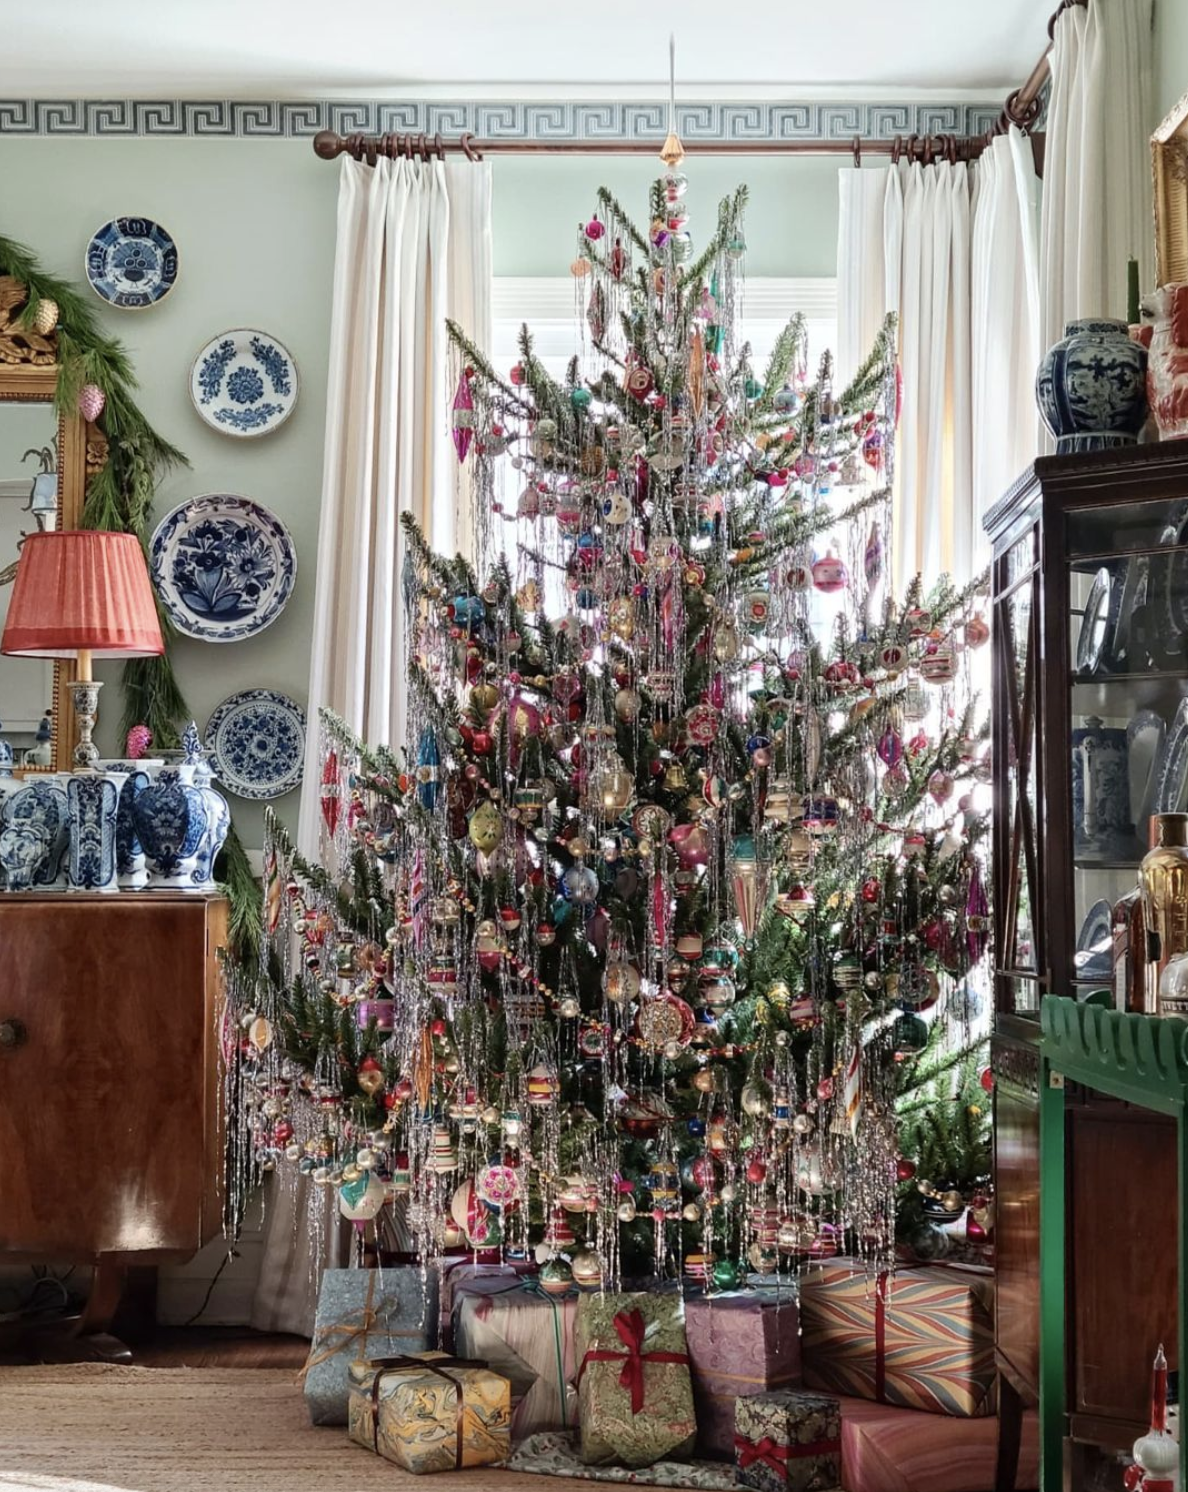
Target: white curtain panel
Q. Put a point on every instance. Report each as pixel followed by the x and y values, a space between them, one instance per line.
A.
pixel 413 248
pixel 953 251
pixel 1096 210
pixel 1005 342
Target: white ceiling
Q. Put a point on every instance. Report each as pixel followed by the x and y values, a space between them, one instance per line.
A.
pixel 529 48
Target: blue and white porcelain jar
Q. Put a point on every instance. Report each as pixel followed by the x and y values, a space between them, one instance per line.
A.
pixel 38 806
pixel 1091 387
pixel 131 865
pixel 94 800
pixel 218 826
pixel 170 821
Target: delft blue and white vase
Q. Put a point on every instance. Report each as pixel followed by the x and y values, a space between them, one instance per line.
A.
pixel 39 804
pixel 170 820
pixel 24 850
pixel 7 759
pixel 131 865
pixel 1103 825
pixel 94 799
pixel 218 826
pixel 1091 387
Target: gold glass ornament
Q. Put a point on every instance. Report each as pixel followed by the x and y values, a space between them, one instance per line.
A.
pixel 486 827
pixel 621 617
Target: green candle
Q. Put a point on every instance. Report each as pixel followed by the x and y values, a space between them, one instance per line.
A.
pixel 1132 292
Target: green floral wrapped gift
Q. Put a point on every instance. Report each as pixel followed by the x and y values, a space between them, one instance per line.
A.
pixel 788 1442
pixel 635 1395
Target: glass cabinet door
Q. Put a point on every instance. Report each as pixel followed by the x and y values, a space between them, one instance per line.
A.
pixel 1128 742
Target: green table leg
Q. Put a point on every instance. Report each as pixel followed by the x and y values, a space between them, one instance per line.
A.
pixel 1052 1215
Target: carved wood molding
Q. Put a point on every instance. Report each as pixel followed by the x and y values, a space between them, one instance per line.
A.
pixel 1016 1064
pixel 20 345
pixel 96 450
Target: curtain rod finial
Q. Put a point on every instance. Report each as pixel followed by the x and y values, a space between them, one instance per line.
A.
pixel 326 145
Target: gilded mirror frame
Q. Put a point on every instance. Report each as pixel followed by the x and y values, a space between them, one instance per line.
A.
pixel 1169 172
pixel 29 374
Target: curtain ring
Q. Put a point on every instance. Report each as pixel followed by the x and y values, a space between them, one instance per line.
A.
pixel 469 148
pixel 857 148
pixel 369 146
pixel 438 146
pixel 896 147
pixel 423 147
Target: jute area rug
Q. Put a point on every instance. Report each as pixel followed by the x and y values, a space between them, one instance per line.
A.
pixel 95 1428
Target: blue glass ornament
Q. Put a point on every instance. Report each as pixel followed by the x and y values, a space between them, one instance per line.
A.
pixel 428 762
pixel 696 1127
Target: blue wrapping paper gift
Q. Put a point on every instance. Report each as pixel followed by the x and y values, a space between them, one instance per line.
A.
pixel 365 1313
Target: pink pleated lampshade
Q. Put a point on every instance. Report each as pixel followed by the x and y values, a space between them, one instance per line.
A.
pixel 82 590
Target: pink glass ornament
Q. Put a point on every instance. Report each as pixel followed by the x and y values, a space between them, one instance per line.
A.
pixel 462 421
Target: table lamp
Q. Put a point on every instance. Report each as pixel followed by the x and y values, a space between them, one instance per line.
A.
pixel 82 594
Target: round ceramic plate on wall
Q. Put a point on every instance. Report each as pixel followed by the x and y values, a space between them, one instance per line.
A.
pixel 256 741
pixel 131 263
pixel 244 383
pixel 223 566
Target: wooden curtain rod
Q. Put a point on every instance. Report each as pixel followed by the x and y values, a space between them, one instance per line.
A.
pixel 1021 109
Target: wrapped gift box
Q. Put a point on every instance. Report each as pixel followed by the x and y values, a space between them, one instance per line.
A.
pixel 458 1272
pixel 430 1412
pixel 738 1344
pixel 364 1313
pixel 788 1440
pixel 905 1450
pixel 528 1337
pixel 921 1338
pixel 635 1395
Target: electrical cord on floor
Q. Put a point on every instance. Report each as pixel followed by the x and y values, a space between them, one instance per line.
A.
pixel 227 1257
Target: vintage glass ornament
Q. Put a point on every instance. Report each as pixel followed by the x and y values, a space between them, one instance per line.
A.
pixel 622 981
pixel 830 574
pixel 361 1199
pixel 755 1100
pixel 748 880
pixel 556 1277
pixel 542 1087
pixel 579 884
pixel 485 827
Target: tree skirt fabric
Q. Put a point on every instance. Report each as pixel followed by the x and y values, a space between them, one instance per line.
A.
pixel 552 1453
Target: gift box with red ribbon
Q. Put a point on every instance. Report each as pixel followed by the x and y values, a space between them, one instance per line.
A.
pixel 787 1442
pixel 922 1338
pixel 739 1343
pixel 635 1395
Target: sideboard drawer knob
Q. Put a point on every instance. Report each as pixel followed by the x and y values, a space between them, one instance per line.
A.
pixel 12 1033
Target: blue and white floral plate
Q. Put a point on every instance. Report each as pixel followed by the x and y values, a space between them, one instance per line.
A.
pixel 256 743
pixel 223 567
pixel 244 383
pixel 131 263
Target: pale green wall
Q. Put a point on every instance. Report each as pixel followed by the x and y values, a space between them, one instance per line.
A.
pixel 1171 54
pixel 254 224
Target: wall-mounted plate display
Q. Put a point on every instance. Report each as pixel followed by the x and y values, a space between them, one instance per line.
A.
pixel 244 383
pixel 131 263
pixel 256 742
pixel 223 566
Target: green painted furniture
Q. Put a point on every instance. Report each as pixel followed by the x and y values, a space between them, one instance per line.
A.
pixel 1142 1062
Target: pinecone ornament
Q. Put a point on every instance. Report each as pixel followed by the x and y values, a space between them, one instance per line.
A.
pixel 45 318
pixel 91 400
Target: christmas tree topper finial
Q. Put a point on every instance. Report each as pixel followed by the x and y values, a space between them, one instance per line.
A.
pixel 672 152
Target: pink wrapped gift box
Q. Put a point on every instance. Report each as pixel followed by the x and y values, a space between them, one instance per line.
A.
pixel 885 1449
pixel 739 1344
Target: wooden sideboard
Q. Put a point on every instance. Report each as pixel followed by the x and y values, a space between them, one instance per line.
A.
pixel 110 1106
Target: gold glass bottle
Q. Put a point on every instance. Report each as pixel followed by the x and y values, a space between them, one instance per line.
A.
pixel 1163 880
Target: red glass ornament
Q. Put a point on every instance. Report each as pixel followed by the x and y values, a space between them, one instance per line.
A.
pixel 986 1078
pixel 756 1172
pixel 904 1169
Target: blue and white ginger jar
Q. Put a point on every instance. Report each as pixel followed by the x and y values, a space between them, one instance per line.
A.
pixel 1091 387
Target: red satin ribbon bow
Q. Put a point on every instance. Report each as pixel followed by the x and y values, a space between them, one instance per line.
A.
pixel 765 1450
pixel 630 1328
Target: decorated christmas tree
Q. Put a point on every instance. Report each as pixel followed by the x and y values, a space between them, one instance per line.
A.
pixel 620 961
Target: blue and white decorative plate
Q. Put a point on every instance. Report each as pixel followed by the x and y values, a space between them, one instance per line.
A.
pixel 223 567
pixel 256 742
pixel 131 263
pixel 244 383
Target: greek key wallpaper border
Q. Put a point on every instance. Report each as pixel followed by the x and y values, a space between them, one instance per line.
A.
pixel 491 121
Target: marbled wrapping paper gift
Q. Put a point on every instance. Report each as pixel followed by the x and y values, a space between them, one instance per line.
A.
pixel 634 1407
pixel 921 1338
pixel 742 1343
pixel 417 1421
pixel 786 1440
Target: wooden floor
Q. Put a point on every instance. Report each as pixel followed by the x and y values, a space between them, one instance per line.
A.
pixel 190 1347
